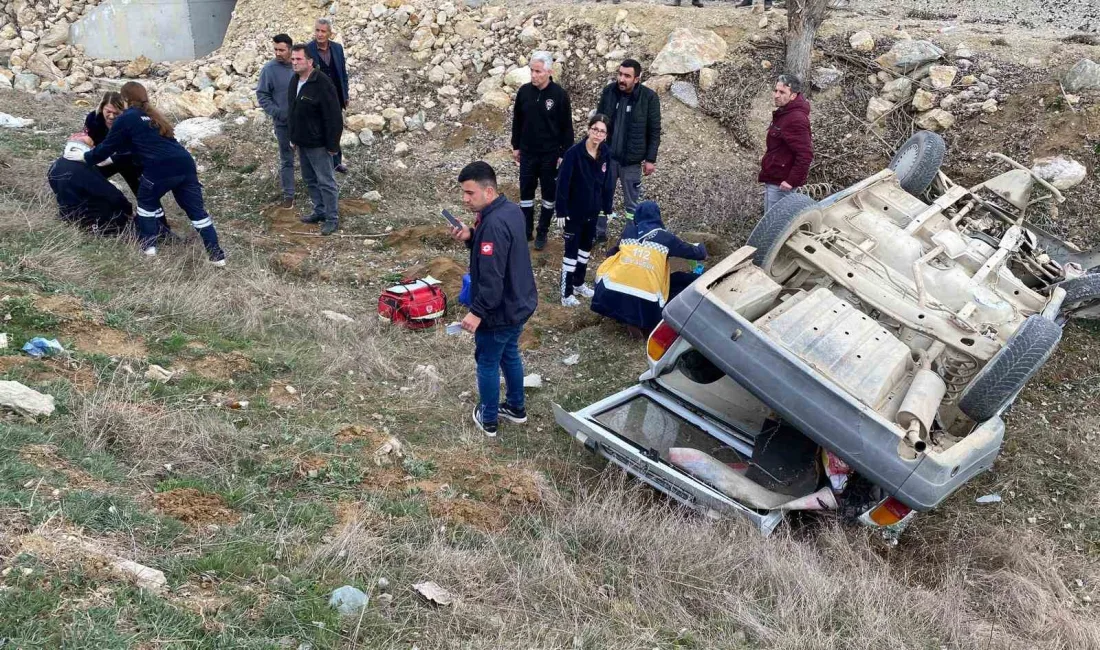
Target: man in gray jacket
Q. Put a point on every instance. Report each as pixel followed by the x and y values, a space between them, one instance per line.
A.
pixel 271 92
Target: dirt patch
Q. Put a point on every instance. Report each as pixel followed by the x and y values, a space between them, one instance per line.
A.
pixel 45 457
pixel 415 238
pixel 355 207
pixel 529 340
pixel 460 137
pixel 194 507
pixel 310 466
pixel 279 396
pixel 487 117
pixel 444 269
pixel 360 433
pixel 564 319
pixel 99 339
pixel 68 307
pixel 222 367
pixel 286 224
pixel 291 261
pixel 77 373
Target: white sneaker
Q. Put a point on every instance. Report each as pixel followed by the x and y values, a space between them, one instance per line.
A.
pixel 570 301
pixel 218 263
pixel 150 252
pixel 584 290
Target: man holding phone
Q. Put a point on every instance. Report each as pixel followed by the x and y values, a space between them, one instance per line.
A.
pixel 502 294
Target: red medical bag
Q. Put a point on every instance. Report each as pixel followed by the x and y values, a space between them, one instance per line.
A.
pixel 413 304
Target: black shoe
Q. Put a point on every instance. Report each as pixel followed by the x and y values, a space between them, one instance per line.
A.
pixel 540 242
pixel 512 414
pixel 330 227
pixel 342 168
pixel 488 428
pixel 313 218
pixel 696 3
pixel 674 3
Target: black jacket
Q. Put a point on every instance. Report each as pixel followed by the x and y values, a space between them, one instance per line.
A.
pixel 643 134
pixel 542 121
pixel 502 283
pixel 314 118
pixel 85 197
pixel 584 189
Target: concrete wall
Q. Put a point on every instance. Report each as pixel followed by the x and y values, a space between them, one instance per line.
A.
pixel 163 30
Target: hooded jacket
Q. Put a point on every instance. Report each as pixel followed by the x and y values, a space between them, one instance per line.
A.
pixel 584 189
pixel 313 115
pixel 502 282
pixel 632 284
pixel 789 146
pixel 643 123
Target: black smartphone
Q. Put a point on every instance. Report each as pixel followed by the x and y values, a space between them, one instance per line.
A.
pixel 451 218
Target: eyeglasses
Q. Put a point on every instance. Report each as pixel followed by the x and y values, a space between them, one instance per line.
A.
pixel 595 130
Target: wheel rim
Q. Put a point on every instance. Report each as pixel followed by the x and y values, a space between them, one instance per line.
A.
pixel 906 159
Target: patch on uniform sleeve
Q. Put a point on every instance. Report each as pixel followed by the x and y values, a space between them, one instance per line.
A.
pixel 487 248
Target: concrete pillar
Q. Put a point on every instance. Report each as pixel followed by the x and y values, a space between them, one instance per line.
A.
pixel 162 30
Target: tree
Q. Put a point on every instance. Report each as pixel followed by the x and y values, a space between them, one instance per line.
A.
pixel 803 19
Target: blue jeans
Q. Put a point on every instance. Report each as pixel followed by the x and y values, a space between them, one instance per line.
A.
pixel 494 350
pixel 773 194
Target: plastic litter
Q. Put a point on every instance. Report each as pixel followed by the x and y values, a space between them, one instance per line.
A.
pixel 348 600
pixel 39 347
pixel 572 360
pixel 836 469
pixel 3 341
pixel 989 498
pixel 454 328
pixel 532 381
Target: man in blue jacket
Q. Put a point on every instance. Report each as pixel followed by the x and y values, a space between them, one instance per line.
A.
pixel 328 57
pixel 502 294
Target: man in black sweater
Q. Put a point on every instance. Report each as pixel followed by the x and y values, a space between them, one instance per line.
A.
pixel 502 294
pixel 542 130
pixel 634 136
pixel 315 124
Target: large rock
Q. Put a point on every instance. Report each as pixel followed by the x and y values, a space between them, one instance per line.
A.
pixel 139 67
pixel 497 99
pixel 356 122
pixel 862 41
pixel 489 84
pixel 707 78
pixel 422 40
pixel 242 63
pixel 877 107
pixel 349 139
pixel 898 90
pixel 57 36
pixel 193 131
pixel 530 35
pixel 26 82
pixel 942 76
pixel 25 401
pixel 41 65
pixel 825 77
pixel 198 104
pixel 685 92
pixel 936 119
pixel 923 100
pixel 909 55
pixel 689 49
pixel 374 123
pixel 1060 171
pixel 1084 75
pixel 516 77
pixel 13 122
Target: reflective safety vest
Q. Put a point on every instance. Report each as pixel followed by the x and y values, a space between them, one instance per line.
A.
pixel 639 269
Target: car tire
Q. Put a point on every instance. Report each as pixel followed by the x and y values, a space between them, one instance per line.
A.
pixel 1010 369
pixel 917 162
pixel 1080 290
pixel 777 226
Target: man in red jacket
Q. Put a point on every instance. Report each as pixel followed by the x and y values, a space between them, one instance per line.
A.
pixel 790 148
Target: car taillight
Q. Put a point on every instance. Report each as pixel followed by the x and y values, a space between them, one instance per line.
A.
pixel 660 341
pixel 889 512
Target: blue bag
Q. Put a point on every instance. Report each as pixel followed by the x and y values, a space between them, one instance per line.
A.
pixel 464 295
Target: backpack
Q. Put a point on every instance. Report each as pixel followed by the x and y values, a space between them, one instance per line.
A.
pixel 413 303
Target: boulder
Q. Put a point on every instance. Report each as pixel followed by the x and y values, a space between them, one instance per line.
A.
pixel 242 63
pixel 923 100
pixel 356 122
pixel 25 401
pixel 422 40
pixel 825 77
pixel 898 90
pixel 349 139
pixel 139 67
pixel 13 122
pixel 488 84
pixel 942 76
pixel 685 92
pixel 1084 75
pixel 497 99
pixel 530 35
pixel 41 65
pixel 862 41
pixel 5 82
pixel 436 75
pixel 1060 171
pixel 689 49
pixel 660 84
pixel 909 55
pixel 374 123
pixel 26 82
pixel 877 107
pixel 193 131
pixel 990 106
pixel 197 104
pixel 516 77
pixel 57 36
pixel 936 119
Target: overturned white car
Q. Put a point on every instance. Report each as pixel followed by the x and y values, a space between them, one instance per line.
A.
pixel 856 355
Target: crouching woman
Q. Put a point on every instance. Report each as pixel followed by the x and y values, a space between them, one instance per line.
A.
pixel 634 283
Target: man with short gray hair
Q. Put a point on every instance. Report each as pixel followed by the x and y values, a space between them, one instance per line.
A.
pixel 328 57
pixel 789 146
pixel 542 130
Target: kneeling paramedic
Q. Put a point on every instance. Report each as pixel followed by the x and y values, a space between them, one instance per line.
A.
pixel 84 195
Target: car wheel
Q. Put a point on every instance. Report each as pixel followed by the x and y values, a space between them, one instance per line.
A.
pixel 793 213
pixel 698 368
pixel 1081 291
pixel 1007 372
pixel 918 161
